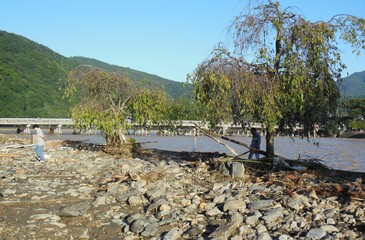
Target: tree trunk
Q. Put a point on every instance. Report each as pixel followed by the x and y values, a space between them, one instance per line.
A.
pixel 270 143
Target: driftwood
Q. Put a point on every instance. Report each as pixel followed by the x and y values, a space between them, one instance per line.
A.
pixel 216 135
pixel 17 146
pixel 220 142
pixel 319 182
pixel 9 155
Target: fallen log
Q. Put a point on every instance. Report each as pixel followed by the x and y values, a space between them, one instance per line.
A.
pixel 220 142
pixel 216 135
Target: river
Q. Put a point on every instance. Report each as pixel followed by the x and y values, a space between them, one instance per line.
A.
pixel 338 153
pixel 343 154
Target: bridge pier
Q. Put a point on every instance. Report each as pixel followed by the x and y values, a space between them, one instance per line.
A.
pixel 27 129
pixel 58 129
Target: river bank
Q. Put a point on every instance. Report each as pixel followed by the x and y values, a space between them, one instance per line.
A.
pixel 352 134
pixel 81 194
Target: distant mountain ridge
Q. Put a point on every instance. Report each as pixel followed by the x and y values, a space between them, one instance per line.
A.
pixel 31 78
pixel 353 86
pixel 174 89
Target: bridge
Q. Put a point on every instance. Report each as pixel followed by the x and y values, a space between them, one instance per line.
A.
pixel 39 121
pixel 28 122
pixel 189 126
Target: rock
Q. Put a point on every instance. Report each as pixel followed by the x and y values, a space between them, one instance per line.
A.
pixel 329 228
pixel 272 215
pixel 151 229
pixel 219 199
pixel 224 168
pixel 237 170
pixel 237 219
pixel 260 204
pixel 223 232
pixel 217 186
pixel 173 234
pixel 253 219
pixel 135 201
pixel 316 233
pixel 122 198
pixel 192 233
pixel 214 212
pixel 234 205
pixel 264 236
pixel 74 210
pixel 284 237
pixel 8 191
pixel 156 203
pixel 157 192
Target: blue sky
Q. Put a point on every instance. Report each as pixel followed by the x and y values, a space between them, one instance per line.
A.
pixel 168 38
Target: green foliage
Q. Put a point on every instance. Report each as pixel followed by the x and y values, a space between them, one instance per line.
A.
pixel 357 124
pixel 109 98
pixel 331 129
pixel 355 107
pixel 104 100
pixel 184 108
pixel 292 76
pixel 212 92
pixel 30 79
pixel 149 106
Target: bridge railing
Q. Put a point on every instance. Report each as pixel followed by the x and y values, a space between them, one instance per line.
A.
pixel 41 121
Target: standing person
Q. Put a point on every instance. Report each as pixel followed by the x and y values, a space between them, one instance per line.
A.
pixel 39 144
pixel 255 143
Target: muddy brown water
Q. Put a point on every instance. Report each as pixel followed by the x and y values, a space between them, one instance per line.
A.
pixel 339 153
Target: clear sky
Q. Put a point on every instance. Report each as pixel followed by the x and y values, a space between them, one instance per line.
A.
pixel 168 38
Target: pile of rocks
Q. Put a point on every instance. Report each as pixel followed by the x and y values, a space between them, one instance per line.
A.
pixel 91 195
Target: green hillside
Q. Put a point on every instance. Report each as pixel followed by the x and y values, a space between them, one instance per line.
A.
pixel 174 89
pixel 353 86
pixel 32 76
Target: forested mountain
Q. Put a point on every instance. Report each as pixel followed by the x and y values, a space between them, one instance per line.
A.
pixel 353 86
pixel 32 78
pixel 174 89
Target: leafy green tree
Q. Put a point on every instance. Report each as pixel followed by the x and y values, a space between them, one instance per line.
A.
pixel 108 98
pixel 357 124
pixel 282 70
pixel 149 107
pixel 184 108
pixel 103 101
pixel 355 107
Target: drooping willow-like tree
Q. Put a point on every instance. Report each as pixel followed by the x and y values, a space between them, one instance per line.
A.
pixel 283 69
